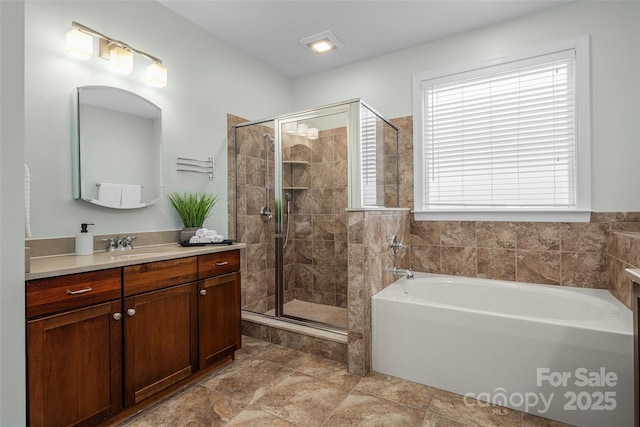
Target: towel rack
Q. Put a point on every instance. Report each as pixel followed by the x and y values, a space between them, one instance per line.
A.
pixel 187 164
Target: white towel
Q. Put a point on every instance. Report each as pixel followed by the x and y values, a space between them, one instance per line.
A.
pixel 110 193
pixel 205 240
pixel 130 195
pixel 201 232
pixel 218 238
pixel 194 239
pixel 210 234
pixel 27 201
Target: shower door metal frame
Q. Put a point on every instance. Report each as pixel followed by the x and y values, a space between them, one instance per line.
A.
pixel 352 110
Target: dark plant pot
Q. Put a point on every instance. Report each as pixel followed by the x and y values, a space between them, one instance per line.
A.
pixel 187 233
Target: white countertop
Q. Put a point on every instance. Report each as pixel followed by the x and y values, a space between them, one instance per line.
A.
pixel 60 265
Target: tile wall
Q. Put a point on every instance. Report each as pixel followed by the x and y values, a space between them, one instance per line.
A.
pixel 369 234
pixel 566 254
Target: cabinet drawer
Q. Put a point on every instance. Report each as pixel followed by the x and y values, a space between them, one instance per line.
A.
pixel 56 294
pixel 157 275
pixel 219 263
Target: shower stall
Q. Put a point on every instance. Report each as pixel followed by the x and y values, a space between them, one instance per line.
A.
pixel 294 178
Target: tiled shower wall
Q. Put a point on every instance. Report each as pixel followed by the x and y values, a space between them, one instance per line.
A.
pixel 258 279
pixel 317 246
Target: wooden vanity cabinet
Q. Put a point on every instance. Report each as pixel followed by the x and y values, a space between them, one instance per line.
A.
pixel 219 326
pixel 219 318
pixel 160 326
pixel 75 357
pixel 106 342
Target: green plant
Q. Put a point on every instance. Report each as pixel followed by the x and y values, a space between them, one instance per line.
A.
pixel 192 207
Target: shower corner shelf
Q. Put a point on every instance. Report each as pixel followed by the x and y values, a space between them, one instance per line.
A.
pixel 295 188
pixel 295 162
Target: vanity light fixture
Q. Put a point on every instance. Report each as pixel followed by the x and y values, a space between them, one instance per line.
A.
pixel 312 133
pixel 121 60
pixel 303 129
pixel 322 42
pixel 119 54
pixel 291 127
pixel 79 44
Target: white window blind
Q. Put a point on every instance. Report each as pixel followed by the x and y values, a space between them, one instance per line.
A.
pixel 502 137
pixel 368 156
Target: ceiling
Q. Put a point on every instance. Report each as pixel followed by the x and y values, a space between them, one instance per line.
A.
pixel 270 30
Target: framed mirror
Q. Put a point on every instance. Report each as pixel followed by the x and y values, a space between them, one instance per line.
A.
pixel 117 148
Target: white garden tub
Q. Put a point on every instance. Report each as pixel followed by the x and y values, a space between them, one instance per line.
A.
pixel 556 352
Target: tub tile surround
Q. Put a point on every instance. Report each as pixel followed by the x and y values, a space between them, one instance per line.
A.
pixel 556 253
pixel 369 268
pixel 623 251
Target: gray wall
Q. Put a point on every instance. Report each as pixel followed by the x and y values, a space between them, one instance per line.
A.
pixel 12 342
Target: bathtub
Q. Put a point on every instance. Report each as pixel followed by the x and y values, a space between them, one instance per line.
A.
pixel 556 352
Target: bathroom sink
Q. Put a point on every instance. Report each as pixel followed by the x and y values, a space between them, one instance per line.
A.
pixel 142 252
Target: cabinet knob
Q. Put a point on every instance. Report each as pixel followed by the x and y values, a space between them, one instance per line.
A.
pixel 117 316
pixel 203 292
pixel 131 312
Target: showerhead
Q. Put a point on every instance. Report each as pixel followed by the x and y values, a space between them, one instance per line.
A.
pixel 268 138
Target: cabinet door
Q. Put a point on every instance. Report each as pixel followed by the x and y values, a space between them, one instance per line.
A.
pixel 160 340
pixel 75 366
pixel 219 317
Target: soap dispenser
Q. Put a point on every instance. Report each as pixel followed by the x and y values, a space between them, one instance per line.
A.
pixel 84 241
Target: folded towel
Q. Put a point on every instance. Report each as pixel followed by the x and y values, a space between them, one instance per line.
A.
pixel 130 195
pixel 27 201
pixel 110 193
pixel 194 239
pixel 201 232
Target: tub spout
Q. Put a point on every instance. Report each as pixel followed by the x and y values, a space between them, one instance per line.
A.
pixel 406 271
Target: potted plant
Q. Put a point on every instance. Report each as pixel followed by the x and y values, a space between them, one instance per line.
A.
pixel 192 208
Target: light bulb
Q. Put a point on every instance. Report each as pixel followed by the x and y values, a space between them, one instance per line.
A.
pixel 157 75
pixel 79 44
pixel 121 60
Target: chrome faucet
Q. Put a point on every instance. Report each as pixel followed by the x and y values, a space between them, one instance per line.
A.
pixel 124 243
pixel 111 244
pixel 120 244
pixel 406 271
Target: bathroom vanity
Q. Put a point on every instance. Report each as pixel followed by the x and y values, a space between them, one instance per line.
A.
pixel 109 334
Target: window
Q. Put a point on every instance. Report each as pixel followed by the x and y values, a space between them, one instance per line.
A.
pixel 369 157
pixel 505 136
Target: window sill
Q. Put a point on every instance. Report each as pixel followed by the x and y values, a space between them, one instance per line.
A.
pixel 504 216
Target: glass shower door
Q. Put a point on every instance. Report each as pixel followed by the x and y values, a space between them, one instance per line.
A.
pixel 313 228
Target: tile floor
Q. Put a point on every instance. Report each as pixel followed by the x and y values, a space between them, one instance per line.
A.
pixel 270 385
pixel 327 314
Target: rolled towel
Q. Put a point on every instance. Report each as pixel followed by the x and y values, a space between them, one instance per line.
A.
pixel 211 234
pixel 194 239
pixel 218 238
pixel 201 232
pixel 205 240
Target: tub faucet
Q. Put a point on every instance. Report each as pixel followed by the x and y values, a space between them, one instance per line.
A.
pixel 406 271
